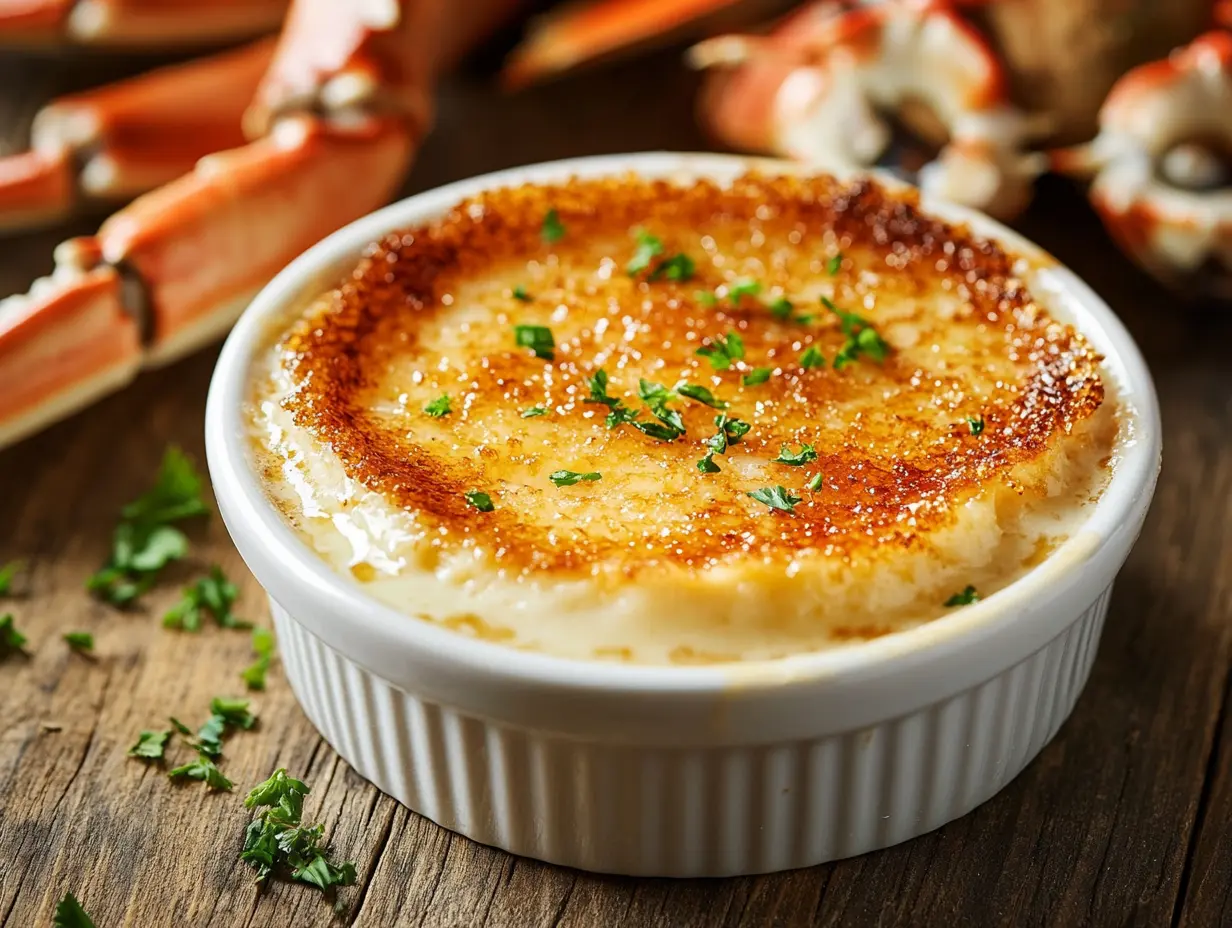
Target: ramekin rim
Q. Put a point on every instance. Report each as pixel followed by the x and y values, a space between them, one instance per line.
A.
pixel 1124 498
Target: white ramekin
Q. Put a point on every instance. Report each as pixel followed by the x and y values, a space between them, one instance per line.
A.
pixel 684 771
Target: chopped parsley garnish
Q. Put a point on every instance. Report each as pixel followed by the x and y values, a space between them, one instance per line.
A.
pixel 480 501
pixel 677 267
pixel 701 394
pixel 439 407
pixel 665 431
pixel 655 394
pixel 150 745
pixel 706 298
pixel 567 478
pixel 862 339
pixel 7 573
pixel 552 230
pixel 619 415
pixel 79 641
pixel 806 455
pixel 834 264
pixel 538 338
pixel 814 483
pixel 225 715
pixel 233 712
pixel 176 493
pixel 214 594
pixel 598 389
pixel 733 429
pixel 756 376
pixel 669 417
pixel 965 598
pixel 812 357
pixel 776 498
pixel 741 288
pixel 209 736
pixel 204 769
pixel 277 842
pixel 722 351
pixel 11 640
pixel 534 411
pixel 976 424
pixel 649 247
pixel 70 914
pixel 263 646
pixel 519 293
pixel 730 431
pixel 784 309
pixel 145 541
pixel 781 309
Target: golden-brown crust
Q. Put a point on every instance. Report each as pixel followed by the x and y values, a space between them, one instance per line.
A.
pixel 895 450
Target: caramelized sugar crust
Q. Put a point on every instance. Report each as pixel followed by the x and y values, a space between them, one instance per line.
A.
pixel 431 311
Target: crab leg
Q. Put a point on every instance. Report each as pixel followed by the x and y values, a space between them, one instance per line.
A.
pixel 136 23
pixel 63 345
pixel 118 141
pixel 340 113
pixel 204 244
pixel 580 32
pixel 172 270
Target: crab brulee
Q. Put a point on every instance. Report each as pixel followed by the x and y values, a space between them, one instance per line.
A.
pixel 682 422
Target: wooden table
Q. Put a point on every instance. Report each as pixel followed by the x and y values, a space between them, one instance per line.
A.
pixel 1120 821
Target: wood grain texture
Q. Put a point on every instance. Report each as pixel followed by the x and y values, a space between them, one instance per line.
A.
pixel 1120 821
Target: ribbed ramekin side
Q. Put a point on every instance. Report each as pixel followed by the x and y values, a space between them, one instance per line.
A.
pixel 735 809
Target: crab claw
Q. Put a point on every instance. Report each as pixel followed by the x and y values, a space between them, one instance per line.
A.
pixel 136 23
pixel 172 270
pixel 121 140
pixel 1162 165
pixel 819 89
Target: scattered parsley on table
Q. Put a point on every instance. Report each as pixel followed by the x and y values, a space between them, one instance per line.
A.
pixel 263 646
pixel 70 914
pixel 276 842
pixel 213 594
pixel 11 640
pixel 146 540
pixel 79 641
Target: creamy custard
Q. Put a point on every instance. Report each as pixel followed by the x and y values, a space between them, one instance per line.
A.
pixel 903 420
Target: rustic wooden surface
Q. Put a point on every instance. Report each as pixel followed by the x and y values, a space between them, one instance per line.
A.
pixel 1120 821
